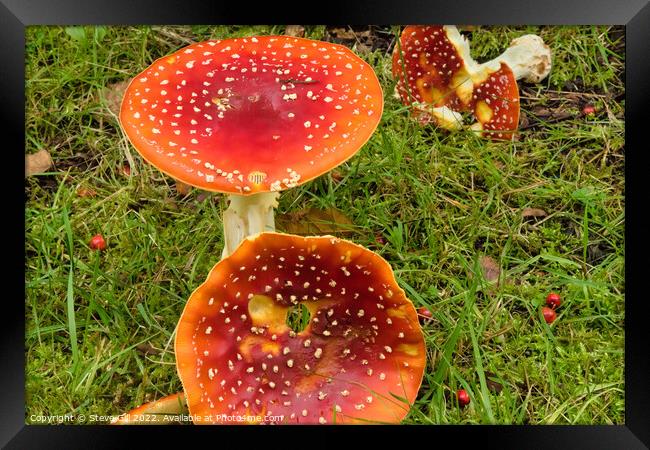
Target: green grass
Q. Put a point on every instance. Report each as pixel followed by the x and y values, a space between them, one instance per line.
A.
pixel 99 326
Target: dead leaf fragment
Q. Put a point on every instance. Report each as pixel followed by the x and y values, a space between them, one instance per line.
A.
pixel 295 30
pixel 342 33
pixel 113 94
pixel 170 203
pixel 492 385
pixel 203 195
pixel 147 349
pixel 533 212
pixel 183 188
pixel 37 162
pixel 490 268
pixel 362 49
pixel 336 175
pixel 83 191
pixel 314 221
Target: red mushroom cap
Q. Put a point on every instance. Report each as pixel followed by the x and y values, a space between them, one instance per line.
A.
pixel 362 346
pixel 252 114
pixel 432 65
pixel 495 103
pixel 434 68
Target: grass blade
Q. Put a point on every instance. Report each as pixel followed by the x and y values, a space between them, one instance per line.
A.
pixel 72 323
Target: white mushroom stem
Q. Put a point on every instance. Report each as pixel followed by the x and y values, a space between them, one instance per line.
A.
pixel 528 57
pixel 247 215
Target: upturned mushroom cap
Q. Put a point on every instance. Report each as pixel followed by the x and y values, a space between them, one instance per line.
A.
pixel 252 114
pixel 362 347
pixel 433 67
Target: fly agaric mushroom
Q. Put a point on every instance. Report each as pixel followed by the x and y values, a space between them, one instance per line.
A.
pixel 363 345
pixel 250 117
pixel 436 73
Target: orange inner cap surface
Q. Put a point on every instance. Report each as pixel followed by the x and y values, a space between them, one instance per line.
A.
pixel 430 69
pixel 252 114
pixel 363 346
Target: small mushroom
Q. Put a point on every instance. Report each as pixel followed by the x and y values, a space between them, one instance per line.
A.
pixel 362 347
pixel 250 117
pixel 437 75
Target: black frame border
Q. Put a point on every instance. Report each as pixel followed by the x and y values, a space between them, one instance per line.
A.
pixel 15 15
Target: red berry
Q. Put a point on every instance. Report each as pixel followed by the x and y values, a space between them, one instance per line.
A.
pixel 424 312
pixel 549 314
pixel 126 170
pixel 379 239
pixel 97 242
pixel 463 398
pixel 553 300
pixel 588 110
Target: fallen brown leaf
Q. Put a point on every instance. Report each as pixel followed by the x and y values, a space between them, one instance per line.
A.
pixel 86 192
pixel 490 268
pixel 37 162
pixel 147 349
pixel 183 188
pixel 523 120
pixel 336 175
pixel 342 33
pixel 170 203
pixel 533 212
pixel 295 30
pixel 558 113
pixel 314 221
pixel 112 96
pixel 492 385
pixel 468 28
pixel 362 49
pixel 202 196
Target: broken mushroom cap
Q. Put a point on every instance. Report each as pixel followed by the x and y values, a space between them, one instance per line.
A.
pixel 252 114
pixel 495 104
pixel 362 349
pixel 154 413
pixel 435 71
pixel 430 69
